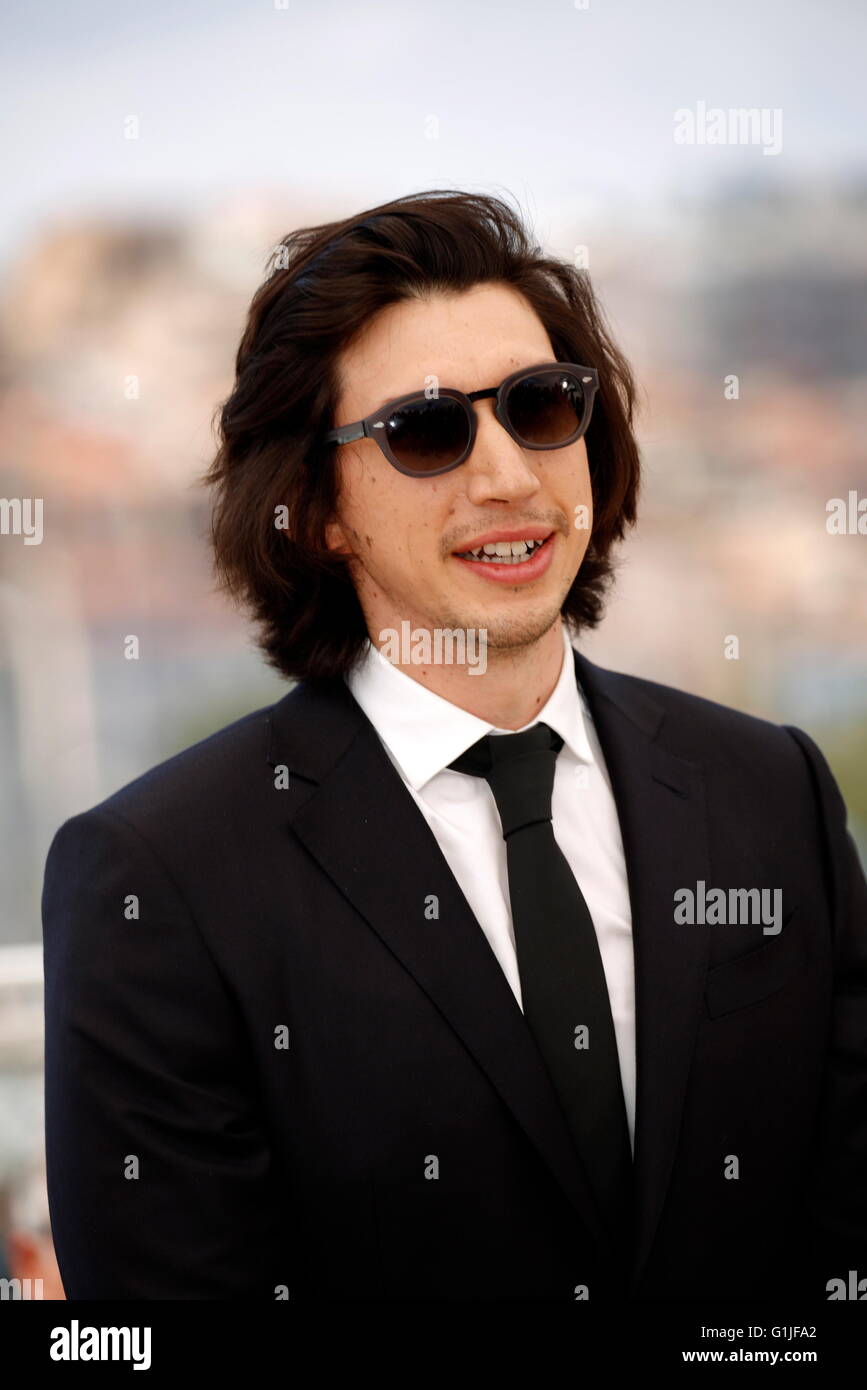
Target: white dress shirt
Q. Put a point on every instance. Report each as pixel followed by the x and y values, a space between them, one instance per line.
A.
pixel 422 733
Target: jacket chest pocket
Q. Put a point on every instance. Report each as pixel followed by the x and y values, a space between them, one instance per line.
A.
pixel 734 984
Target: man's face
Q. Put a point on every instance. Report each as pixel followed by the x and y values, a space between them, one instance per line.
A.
pixel 403 533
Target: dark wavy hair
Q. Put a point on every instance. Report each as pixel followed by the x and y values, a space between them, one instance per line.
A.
pixel 323 286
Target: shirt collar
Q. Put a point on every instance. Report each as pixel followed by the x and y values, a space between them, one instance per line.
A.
pixel 425 732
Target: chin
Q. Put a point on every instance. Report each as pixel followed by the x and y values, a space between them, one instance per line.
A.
pixel 506 631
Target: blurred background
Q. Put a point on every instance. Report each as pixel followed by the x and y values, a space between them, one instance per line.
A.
pixel 153 157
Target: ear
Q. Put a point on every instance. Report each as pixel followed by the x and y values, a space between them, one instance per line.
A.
pixel 335 538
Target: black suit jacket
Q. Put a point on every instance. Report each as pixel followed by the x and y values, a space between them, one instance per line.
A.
pixel 284 1074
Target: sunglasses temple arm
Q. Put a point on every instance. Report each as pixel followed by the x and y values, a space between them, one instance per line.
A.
pixel 348 434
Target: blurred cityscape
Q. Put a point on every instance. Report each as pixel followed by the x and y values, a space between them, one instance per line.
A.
pixel 117 341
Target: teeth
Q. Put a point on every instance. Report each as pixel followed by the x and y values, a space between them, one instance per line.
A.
pixel 503 552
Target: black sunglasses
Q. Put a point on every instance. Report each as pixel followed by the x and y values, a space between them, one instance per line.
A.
pixel 543 407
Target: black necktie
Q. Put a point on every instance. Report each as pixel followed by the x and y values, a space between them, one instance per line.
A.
pixel 565 997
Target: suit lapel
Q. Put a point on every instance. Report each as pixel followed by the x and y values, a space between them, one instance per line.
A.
pixel 660 800
pixel 355 816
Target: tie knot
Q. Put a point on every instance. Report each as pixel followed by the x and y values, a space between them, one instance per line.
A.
pixel 519 769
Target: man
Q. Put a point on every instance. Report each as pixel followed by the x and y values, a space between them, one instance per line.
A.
pixel 469 969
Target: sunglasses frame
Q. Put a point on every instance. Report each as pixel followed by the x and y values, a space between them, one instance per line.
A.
pixel 373 425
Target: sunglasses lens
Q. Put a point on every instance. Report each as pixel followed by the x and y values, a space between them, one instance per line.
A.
pixel 427 435
pixel 546 408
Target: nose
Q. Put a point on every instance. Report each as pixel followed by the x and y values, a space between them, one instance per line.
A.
pixel 498 469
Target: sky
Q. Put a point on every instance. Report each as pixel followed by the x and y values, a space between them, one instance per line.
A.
pixel 566 108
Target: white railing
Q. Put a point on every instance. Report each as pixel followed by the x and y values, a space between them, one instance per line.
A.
pixel 21 1006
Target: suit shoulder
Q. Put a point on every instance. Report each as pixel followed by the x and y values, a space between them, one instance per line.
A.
pixel 706 729
pixel 202 781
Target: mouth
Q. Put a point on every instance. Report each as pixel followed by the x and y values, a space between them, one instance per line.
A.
pixel 510 561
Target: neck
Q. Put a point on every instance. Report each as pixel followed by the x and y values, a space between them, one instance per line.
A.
pixel 508 690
